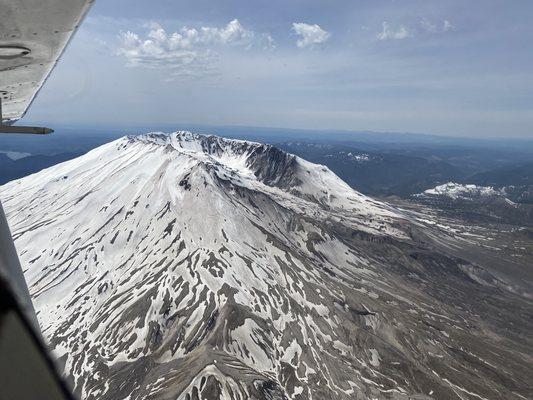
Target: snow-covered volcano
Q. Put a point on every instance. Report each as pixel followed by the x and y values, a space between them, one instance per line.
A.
pixel 186 266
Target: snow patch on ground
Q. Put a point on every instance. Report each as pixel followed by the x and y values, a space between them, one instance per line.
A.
pixel 458 190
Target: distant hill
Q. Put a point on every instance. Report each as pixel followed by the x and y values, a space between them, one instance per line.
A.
pixel 516 182
pixel 518 175
pixel 15 169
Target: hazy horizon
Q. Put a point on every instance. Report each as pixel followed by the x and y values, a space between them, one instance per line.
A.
pixel 170 127
pixel 440 68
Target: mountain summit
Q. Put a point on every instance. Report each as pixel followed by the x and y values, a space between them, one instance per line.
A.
pixel 195 267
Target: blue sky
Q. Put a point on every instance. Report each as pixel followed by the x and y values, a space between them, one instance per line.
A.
pixel 461 68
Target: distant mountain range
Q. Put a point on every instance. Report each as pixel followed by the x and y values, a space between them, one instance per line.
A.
pixel 377 173
pixel 398 164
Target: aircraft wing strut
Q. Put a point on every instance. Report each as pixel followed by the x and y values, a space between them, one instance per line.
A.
pixel 33 35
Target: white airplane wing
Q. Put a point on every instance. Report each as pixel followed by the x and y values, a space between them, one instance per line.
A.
pixel 33 35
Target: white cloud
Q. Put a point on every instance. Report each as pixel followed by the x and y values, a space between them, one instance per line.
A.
pixel 389 33
pixel 427 25
pixel 402 32
pixel 268 42
pixel 189 52
pixel 231 34
pixel 435 27
pixel 310 35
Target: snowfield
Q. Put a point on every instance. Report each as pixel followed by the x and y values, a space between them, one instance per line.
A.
pixel 457 190
pixel 186 266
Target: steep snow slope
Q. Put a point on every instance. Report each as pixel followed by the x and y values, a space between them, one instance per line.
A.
pixel 190 266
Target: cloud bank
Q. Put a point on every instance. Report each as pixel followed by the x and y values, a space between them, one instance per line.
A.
pixel 425 26
pixel 390 33
pixel 190 51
